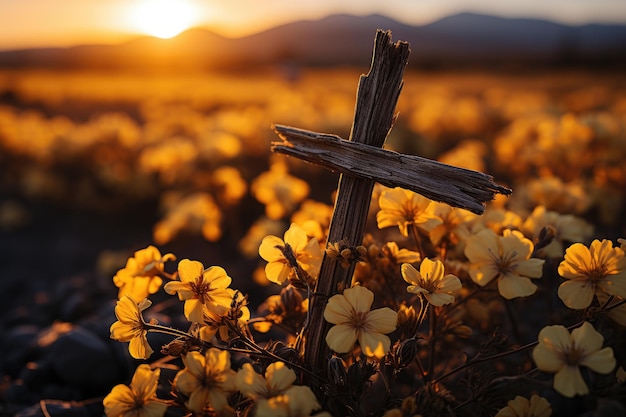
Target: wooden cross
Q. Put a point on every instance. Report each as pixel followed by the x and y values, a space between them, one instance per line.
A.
pixel 362 162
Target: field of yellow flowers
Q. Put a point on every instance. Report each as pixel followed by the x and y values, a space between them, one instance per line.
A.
pixel 147 209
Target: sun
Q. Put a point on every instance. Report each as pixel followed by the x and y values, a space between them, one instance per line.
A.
pixel 163 18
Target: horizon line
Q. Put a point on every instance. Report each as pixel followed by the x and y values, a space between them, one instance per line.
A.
pixel 123 38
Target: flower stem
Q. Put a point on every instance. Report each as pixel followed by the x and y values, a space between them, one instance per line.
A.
pixel 477 359
pixel 431 341
pixel 417 239
pixel 157 328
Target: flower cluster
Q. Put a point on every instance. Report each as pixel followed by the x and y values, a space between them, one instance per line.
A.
pixel 406 312
pixel 430 323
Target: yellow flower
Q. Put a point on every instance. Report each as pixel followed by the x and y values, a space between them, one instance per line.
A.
pixel 297 401
pixel 353 320
pixel 197 212
pixel 398 255
pixel 278 378
pixel 139 398
pixel 505 258
pixel 497 219
pixel 231 187
pixel 562 353
pixel 274 395
pixel 431 282
pixel 236 317
pixel 282 256
pixel 278 190
pixel 200 287
pixel 565 227
pixel 130 327
pixel 206 379
pixel 302 401
pixel 402 208
pixel 601 267
pixel 522 407
pixel 140 277
pixel 454 222
pixel 314 217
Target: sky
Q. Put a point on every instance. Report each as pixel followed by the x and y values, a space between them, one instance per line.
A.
pixel 43 23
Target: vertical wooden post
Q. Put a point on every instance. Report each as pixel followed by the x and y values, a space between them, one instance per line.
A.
pixel 374 115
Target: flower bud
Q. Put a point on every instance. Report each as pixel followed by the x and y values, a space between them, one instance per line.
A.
pixel 284 352
pixel 406 352
pixel 373 250
pixel 462 331
pixel 291 299
pixel 337 372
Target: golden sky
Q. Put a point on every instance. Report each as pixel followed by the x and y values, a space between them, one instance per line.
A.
pixel 38 23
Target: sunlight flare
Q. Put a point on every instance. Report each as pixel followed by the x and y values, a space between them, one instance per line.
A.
pixel 163 18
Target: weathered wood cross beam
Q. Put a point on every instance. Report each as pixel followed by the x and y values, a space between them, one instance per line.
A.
pixel 362 162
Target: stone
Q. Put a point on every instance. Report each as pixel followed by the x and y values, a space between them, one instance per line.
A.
pixel 81 359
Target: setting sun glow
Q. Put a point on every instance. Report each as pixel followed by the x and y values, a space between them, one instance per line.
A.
pixel 163 18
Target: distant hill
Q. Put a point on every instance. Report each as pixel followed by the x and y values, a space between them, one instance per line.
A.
pixel 461 39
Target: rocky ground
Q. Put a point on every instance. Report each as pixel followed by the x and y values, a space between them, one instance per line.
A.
pixel 57 304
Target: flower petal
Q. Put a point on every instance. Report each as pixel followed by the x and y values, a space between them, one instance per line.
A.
pixel 431 270
pixel 341 338
pixel 122 332
pixel 439 299
pixel 198 398
pixel 577 260
pixel 416 289
pixel 338 310
pixel 546 358
pixel 127 311
pixel 269 249
pixel 410 274
pixel 512 286
pixel 182 288
pixel 482 246
pixel 569 382
pixel 154 408
pixel 483 273
pixel 296 237
pixel 614 284
pixel 360 298
pixel 514 242
pixel 279 377
pixel 586 339
pixel 193 310
pixel 602 361
pixel 576 294
pixel 217 276
pixel 221 298
pixel 277 272
pixel 145 380
pixel 251 384
pixel 119 401
pixel 139 348
pixel 532 268
pixel 374 344
pixel 449 284
pixel 382 320
pixel 302 401
pixel 189 271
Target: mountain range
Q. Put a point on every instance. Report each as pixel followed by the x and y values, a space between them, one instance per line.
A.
pixel 460 39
